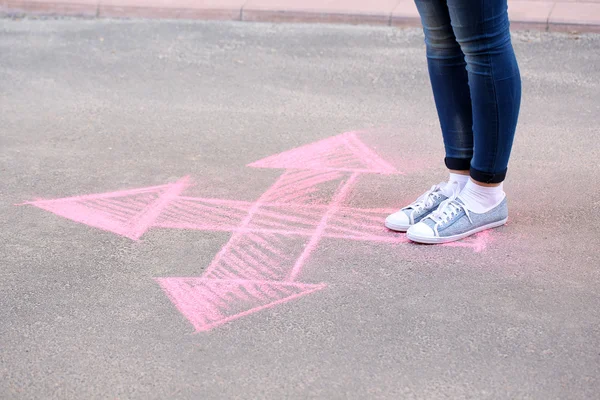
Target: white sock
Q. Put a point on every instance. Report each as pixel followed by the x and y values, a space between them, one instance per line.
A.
pixel 458 178
pixel 481 199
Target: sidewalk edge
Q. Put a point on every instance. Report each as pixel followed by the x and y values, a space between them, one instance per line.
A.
pixel 96 9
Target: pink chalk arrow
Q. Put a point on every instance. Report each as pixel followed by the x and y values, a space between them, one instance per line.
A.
pixel 264 266
pixel 272 238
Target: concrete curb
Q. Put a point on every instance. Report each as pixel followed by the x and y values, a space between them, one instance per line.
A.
pixel 525 14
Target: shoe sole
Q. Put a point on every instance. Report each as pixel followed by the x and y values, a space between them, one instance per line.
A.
pixel 397 228
pixel 454 238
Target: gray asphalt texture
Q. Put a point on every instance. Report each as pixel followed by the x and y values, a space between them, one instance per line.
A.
pixel 92 106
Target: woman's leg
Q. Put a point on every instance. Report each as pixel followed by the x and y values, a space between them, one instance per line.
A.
pixel 450 83
pixel 481 28
pixel 449 80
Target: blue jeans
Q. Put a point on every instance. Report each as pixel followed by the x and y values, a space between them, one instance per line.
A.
pixel 476 82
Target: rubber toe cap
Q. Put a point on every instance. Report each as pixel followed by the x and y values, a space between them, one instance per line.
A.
pixel 422 230
pixel 398 221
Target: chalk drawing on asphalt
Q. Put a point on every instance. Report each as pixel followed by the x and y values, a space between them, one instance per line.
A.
pixel 272 238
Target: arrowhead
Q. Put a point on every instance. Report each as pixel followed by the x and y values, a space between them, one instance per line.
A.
pixel 208 303
pixel 127 213
pixel 345 152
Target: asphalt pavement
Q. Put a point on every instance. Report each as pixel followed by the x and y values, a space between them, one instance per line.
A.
pixel 99 106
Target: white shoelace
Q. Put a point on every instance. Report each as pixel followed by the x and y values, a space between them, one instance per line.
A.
pixel 449 209
pixel 427 199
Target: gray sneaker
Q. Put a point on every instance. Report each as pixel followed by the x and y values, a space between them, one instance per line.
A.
pixel 426 203
pixel 452 221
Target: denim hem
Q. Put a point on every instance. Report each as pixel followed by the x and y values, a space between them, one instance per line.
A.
pixel 458 164
pixel 487 177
